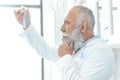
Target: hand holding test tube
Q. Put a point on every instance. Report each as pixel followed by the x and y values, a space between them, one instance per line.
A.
pixel 23 17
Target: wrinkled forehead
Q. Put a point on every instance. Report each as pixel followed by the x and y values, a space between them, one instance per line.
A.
pixel 72 15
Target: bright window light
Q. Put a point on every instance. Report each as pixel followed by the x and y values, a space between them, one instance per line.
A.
pixel 18 61
pixel 27 2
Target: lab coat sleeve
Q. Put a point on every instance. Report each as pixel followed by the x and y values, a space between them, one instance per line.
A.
pixel 38 43
pixel 98 66
pixel 68 68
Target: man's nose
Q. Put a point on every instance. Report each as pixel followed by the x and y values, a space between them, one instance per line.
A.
pixel 62 28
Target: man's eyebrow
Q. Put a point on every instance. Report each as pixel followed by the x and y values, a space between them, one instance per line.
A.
pixel 66 21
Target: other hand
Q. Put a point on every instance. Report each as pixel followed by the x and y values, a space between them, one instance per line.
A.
pixel 65 48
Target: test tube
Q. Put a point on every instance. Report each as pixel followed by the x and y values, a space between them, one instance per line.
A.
pixel 24 21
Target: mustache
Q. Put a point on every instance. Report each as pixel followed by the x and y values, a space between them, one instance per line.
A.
pixel 70 38
pixel 65 35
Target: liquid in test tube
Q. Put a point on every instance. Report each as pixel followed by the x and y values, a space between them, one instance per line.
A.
pixel 24 21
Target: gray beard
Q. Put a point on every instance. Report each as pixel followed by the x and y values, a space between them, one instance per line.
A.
pixel 77 38
pixel 77 45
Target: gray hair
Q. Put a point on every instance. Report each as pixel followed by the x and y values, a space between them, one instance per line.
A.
pixel 86 15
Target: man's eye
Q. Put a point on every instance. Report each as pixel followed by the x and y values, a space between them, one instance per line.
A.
pixel 67 23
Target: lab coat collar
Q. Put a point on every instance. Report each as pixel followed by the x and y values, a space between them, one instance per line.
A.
pixel 88 42
pixel 91 39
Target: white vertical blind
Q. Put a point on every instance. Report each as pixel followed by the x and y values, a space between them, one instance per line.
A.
pixel 116 16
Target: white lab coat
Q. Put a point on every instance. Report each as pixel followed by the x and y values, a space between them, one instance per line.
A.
pixel 94 61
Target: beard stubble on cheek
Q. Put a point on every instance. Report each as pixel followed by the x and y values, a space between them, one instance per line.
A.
pixel 77 38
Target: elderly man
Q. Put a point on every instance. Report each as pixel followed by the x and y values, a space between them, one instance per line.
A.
pixel 82 55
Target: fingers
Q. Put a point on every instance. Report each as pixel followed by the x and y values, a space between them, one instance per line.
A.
pixel 19 14
pixel 68 42
pixel 64 48
pixel 64 41
pixel 21 11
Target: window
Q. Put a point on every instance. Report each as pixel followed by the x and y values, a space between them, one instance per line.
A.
pixel 18 61
pixel 18 2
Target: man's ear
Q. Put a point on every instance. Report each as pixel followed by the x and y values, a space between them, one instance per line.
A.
pixel 83 26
